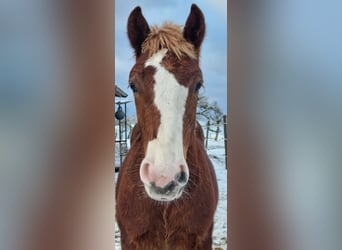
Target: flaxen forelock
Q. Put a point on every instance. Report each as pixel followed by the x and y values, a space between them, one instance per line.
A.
pixel 169 36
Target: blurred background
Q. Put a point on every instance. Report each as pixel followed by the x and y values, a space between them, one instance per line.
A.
pixel 31 106
pixel 285 86
pixel 56 151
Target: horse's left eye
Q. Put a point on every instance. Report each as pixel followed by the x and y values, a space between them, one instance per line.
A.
pixel 133 87
pixel 198 86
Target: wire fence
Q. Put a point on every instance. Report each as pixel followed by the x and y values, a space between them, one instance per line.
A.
pixel 216 136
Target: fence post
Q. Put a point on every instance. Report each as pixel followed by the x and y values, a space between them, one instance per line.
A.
pixel 225 138
pixel 206 138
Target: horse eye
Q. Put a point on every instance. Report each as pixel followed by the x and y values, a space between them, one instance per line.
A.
pixel 133 87
pixel 198 86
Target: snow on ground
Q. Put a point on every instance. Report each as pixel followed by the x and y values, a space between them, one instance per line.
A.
pixel 217 155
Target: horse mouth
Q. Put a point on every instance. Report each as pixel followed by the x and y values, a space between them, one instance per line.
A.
pixel 164 194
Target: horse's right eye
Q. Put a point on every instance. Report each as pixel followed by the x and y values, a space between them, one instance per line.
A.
pixel 198 86
pixel 133 87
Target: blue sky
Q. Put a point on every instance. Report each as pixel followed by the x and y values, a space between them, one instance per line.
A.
pixel 214 48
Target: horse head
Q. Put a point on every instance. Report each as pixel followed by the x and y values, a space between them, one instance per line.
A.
pixel 165 81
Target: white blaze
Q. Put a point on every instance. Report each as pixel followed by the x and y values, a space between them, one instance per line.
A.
pixel 166 151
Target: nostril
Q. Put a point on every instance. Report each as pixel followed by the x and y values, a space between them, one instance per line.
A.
pixel 181 177
pixel 145 169
pixel 182 168
pixel 169 187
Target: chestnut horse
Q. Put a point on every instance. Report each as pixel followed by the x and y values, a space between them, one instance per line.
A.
pixel 166 194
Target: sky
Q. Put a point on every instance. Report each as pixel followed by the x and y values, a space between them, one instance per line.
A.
pixel 213 60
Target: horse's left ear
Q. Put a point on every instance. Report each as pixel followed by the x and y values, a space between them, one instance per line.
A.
pixel 194 28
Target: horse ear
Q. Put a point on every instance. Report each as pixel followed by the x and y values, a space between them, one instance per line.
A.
pixel 137 29
pixel 194 29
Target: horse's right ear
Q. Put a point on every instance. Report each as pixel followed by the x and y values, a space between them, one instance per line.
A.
pixel 137 29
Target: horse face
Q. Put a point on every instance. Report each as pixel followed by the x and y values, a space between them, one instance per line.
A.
pixel 165 87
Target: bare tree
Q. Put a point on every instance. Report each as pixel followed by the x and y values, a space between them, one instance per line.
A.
pixel 209 112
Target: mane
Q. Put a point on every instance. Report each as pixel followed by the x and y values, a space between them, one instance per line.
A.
pixel 169 36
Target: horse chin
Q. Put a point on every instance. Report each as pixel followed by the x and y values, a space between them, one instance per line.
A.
pixel 164 197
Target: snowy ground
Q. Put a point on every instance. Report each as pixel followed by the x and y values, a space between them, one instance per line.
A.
pixel 217 156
